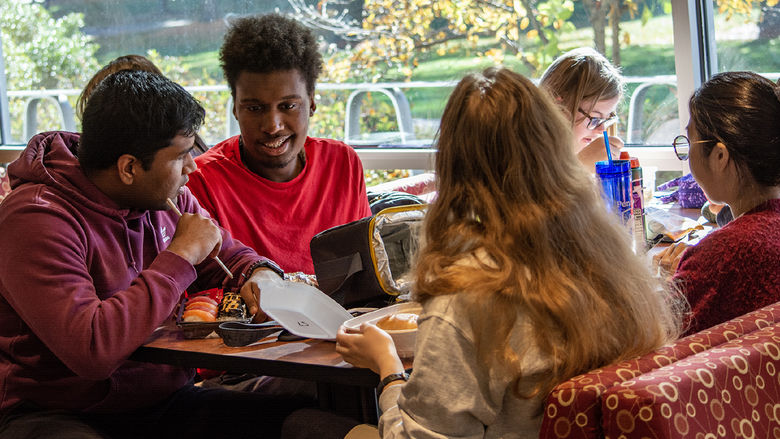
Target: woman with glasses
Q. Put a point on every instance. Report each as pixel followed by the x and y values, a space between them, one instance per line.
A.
pixel 588 88
pixel 733 146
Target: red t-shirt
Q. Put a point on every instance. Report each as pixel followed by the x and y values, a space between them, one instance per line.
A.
pixel 278 220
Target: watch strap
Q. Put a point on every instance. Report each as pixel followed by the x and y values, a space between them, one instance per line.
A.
pixel 267 263
pixel 390 378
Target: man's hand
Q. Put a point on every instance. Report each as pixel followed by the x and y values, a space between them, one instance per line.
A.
pixel 251 291
pixel 669 258
pixel 196 238
pixel 596 151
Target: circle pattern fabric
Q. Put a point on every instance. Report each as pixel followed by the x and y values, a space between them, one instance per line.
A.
pixel 573 409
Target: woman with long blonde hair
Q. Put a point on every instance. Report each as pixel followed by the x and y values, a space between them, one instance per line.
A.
pixel 524 278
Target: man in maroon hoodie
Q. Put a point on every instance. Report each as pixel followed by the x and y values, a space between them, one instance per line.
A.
pixel 92 261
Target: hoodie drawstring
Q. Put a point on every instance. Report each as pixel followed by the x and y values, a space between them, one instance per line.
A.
pixel 129 253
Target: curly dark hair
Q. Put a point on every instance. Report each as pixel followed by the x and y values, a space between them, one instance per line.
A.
pixel 269 43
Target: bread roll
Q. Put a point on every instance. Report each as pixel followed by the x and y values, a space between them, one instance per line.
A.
pixel 400 321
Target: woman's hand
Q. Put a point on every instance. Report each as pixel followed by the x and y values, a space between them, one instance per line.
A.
pixel 596 151
pixel 371 347
pixel 669 258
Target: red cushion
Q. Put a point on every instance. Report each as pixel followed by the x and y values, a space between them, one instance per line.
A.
pixel 573 408
pixel 416 185
pixel 728 391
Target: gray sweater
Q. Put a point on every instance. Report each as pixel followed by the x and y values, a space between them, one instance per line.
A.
pixel 449 394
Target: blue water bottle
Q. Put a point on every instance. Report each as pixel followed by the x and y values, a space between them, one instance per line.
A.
pixel 615 181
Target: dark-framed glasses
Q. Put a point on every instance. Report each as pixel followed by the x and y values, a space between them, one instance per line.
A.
pixel 682 146
pixel 595 122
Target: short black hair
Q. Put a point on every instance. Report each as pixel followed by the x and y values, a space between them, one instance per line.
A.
pixel 269 43
pixel 137 113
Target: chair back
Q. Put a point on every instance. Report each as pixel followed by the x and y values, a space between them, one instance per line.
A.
pixel 731 390
pixel 573 409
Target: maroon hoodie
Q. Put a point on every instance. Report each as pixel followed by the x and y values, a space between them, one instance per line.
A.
pixel 84 283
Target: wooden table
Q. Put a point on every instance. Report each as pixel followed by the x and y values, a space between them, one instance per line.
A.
pixel 313 360
pixel 347 390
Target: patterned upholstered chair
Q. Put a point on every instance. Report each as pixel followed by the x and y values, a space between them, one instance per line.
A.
pixel 730 391
pixel 416 185
pixel 573 409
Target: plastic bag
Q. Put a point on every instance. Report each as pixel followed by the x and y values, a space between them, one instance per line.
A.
pixel 688 194
pixel 665 226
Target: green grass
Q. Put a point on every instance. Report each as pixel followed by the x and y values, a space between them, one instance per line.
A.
pixel 206 62
pixel 650 53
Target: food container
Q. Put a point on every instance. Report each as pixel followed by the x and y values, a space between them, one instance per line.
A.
pixel 302 309
pixel 404 339
pixel 197 329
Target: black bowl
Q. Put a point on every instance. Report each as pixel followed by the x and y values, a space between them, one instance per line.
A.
pixel 236 334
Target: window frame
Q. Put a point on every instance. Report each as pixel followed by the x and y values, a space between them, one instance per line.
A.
pixel 695 57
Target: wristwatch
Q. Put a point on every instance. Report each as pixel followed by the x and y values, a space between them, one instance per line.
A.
pixel 267 263
pixel 390 378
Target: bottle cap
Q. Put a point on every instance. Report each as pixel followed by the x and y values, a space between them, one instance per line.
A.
pixel 617 167
pixel 634 161
pixel 624 155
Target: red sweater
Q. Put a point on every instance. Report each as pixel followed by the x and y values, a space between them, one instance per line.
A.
pixel 278 220
pixel 735 269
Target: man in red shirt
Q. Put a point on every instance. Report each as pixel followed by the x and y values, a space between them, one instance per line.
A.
pixel 273 187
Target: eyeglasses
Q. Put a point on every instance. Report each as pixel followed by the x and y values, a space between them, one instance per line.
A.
pixel 595 122
pixel 682 146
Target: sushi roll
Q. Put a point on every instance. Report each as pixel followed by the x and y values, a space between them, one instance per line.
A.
pixel 204 299
pixel 197 315
pixel 202 305
pixel 232 307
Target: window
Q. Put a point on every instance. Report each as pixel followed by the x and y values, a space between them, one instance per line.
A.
pixel 747 37
pixel 388 73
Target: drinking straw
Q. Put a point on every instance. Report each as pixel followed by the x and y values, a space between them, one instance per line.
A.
pixel 606 144
pixel 216 258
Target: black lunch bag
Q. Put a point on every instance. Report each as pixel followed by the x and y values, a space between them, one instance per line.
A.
pixel 367 262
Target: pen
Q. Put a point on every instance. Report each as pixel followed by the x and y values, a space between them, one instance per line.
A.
pixel 216 258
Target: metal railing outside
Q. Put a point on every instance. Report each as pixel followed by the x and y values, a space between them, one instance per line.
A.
pixel 374 158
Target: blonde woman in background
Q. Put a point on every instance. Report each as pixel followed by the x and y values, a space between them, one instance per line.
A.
pixel 124 62
pixel 516 277
pixel 588 88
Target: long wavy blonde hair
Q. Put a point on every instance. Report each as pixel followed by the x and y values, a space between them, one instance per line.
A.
pixel 512 194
